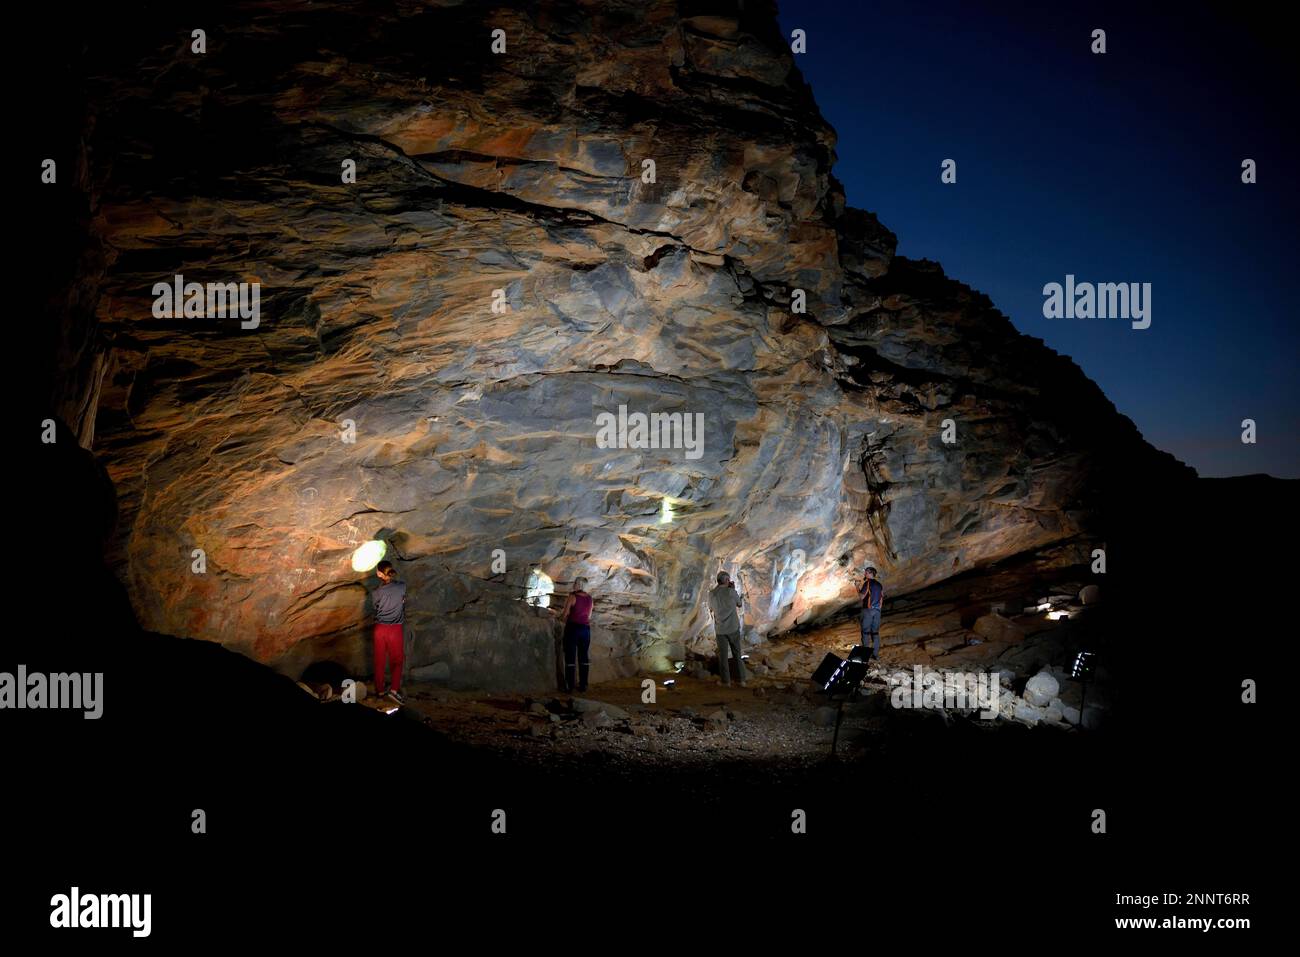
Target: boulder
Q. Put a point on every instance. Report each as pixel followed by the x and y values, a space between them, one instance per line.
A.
pixel 1027 714
pixel 587 706
pixel 1041 689
pixel 779 660
pixel 1069 715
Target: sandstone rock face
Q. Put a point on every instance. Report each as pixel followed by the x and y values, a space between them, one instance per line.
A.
pixel 380 395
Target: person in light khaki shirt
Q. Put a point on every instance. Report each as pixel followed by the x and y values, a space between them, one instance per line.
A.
pixel 723 603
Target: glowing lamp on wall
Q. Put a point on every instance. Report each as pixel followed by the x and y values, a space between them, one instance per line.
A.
pixel 539 589
pixel 666 512
pixel 368 555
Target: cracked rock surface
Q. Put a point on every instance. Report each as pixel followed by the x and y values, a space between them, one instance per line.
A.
pixel 517 179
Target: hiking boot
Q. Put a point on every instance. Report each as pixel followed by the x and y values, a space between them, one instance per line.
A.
pixel 397 696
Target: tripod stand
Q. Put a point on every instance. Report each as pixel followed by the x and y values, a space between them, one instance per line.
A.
pixel 841 681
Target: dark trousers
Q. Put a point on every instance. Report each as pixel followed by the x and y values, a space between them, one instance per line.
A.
pixel 871 630
pixel 577 655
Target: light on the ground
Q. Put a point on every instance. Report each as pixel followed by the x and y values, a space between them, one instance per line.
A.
pixel 666 512
pixel 1057 615
pixel 368 555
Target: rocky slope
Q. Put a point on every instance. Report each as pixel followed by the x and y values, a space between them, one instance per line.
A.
pixel 476 429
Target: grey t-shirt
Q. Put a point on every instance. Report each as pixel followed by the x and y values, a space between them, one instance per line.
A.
pixel 390 603
pixel 724 602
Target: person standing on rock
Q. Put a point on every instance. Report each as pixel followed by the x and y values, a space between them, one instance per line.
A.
pixel 873 596
pixel 576 616
pixel 390 616
pixel 724 602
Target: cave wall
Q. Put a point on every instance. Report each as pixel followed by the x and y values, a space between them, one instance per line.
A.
pixel 476 429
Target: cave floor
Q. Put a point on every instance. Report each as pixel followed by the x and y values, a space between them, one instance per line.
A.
pixel 770 719
pixel 778 718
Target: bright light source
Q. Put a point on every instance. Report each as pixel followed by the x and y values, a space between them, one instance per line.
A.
pixel 1056 615
pixel 670 682
pixel 368 555
pixel 744 657
pixel 1045 606
pixel 666 512
pixel 539 589
pixel 678 665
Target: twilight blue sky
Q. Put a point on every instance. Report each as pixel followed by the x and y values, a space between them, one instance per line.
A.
pixel 1123 167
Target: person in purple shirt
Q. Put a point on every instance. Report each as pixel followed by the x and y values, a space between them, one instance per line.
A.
pixel 576 616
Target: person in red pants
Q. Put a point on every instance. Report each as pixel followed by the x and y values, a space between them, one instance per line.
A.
pixel 390 615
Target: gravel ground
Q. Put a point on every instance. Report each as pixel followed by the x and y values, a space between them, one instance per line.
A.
pixel 695 722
